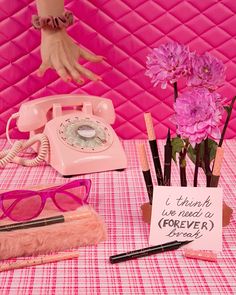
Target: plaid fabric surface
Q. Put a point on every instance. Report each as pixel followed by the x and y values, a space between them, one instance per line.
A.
pixel 117 197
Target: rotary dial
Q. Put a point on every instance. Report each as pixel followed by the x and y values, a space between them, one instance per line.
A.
pixel 87 135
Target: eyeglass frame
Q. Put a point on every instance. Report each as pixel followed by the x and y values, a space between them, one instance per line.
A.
pixel 44 195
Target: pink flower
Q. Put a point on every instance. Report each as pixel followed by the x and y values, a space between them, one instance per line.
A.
pixel 207 71
pixel 168 63
pixel 198 114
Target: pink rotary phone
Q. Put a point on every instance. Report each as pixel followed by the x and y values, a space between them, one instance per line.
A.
pixel 78 129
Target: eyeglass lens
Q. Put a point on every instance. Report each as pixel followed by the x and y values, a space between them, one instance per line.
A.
pixel 71 198
pixel 23 208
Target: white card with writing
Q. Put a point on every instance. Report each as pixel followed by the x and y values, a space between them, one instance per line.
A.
pixel 185 214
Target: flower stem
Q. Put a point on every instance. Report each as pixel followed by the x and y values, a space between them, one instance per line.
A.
pixel 175 91
pixel 227 121
pixel 182 154
pixel 207 163
pixel 182 165
pixel 182 171
pixel 196 164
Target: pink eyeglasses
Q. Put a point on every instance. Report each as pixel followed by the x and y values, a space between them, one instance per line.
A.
pixel 21 205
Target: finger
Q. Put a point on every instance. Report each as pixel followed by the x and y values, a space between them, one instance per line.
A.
pixel 59 67
pixel 67 63
pixel 41 70
pixel 87 73
pixel 64 74
pixel 73 72
pixel 76 76
pixel 90 56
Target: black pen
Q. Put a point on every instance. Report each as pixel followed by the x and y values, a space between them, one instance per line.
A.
pixel 170 246
pixel 66 217
pixel 154 148
pixel 32 223
pixel 146 171
pixel 168 157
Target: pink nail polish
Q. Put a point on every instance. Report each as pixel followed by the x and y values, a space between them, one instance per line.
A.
pixel 38 74
pixel 81 82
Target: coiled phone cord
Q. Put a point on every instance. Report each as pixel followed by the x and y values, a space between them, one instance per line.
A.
pixel 10 155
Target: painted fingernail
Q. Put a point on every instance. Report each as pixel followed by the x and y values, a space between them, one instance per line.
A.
pixel 98 78
pixel 39 74
pixel 68 79
pixel 101 57
pixel 81 82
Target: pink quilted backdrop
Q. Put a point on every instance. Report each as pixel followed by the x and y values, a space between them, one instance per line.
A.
pixel 123 31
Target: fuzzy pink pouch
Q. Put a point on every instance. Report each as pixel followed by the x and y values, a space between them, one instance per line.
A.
pixel 85 228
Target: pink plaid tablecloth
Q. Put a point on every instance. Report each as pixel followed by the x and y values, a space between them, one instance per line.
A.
pixel 117 196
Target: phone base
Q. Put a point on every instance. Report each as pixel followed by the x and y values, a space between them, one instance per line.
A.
pixel 81 170
pixel 70 159
pixel 81 141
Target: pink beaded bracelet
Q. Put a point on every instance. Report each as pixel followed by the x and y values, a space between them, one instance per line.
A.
pixel 53 22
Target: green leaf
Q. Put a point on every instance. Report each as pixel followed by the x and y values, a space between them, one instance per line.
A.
pixel 212 146
pixel 177 145
pixel 227 109
pixel 191 153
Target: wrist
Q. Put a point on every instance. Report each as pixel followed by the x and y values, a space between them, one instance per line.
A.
pixel 50 7
pixel 48 32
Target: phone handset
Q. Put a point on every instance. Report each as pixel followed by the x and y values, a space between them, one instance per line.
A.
pixel 33 114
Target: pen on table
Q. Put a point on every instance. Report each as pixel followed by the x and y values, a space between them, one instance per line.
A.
pixel 154 148
pixel 38 260
pixel 146 171
pixel 68 216
pixel 170 246
pixel 168 157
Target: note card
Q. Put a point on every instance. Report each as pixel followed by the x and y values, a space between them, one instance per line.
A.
pixel 187 213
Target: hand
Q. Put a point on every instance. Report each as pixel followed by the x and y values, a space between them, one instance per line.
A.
pixel 60 52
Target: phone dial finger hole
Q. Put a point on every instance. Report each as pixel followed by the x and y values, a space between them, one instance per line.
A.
pixel 86 131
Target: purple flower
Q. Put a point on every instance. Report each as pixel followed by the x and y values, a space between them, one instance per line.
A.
pixel 198 114
pixel 168 63
pixel 207 71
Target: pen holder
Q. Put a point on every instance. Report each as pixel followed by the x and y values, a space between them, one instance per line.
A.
pixel 146 209
pixel 81 227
